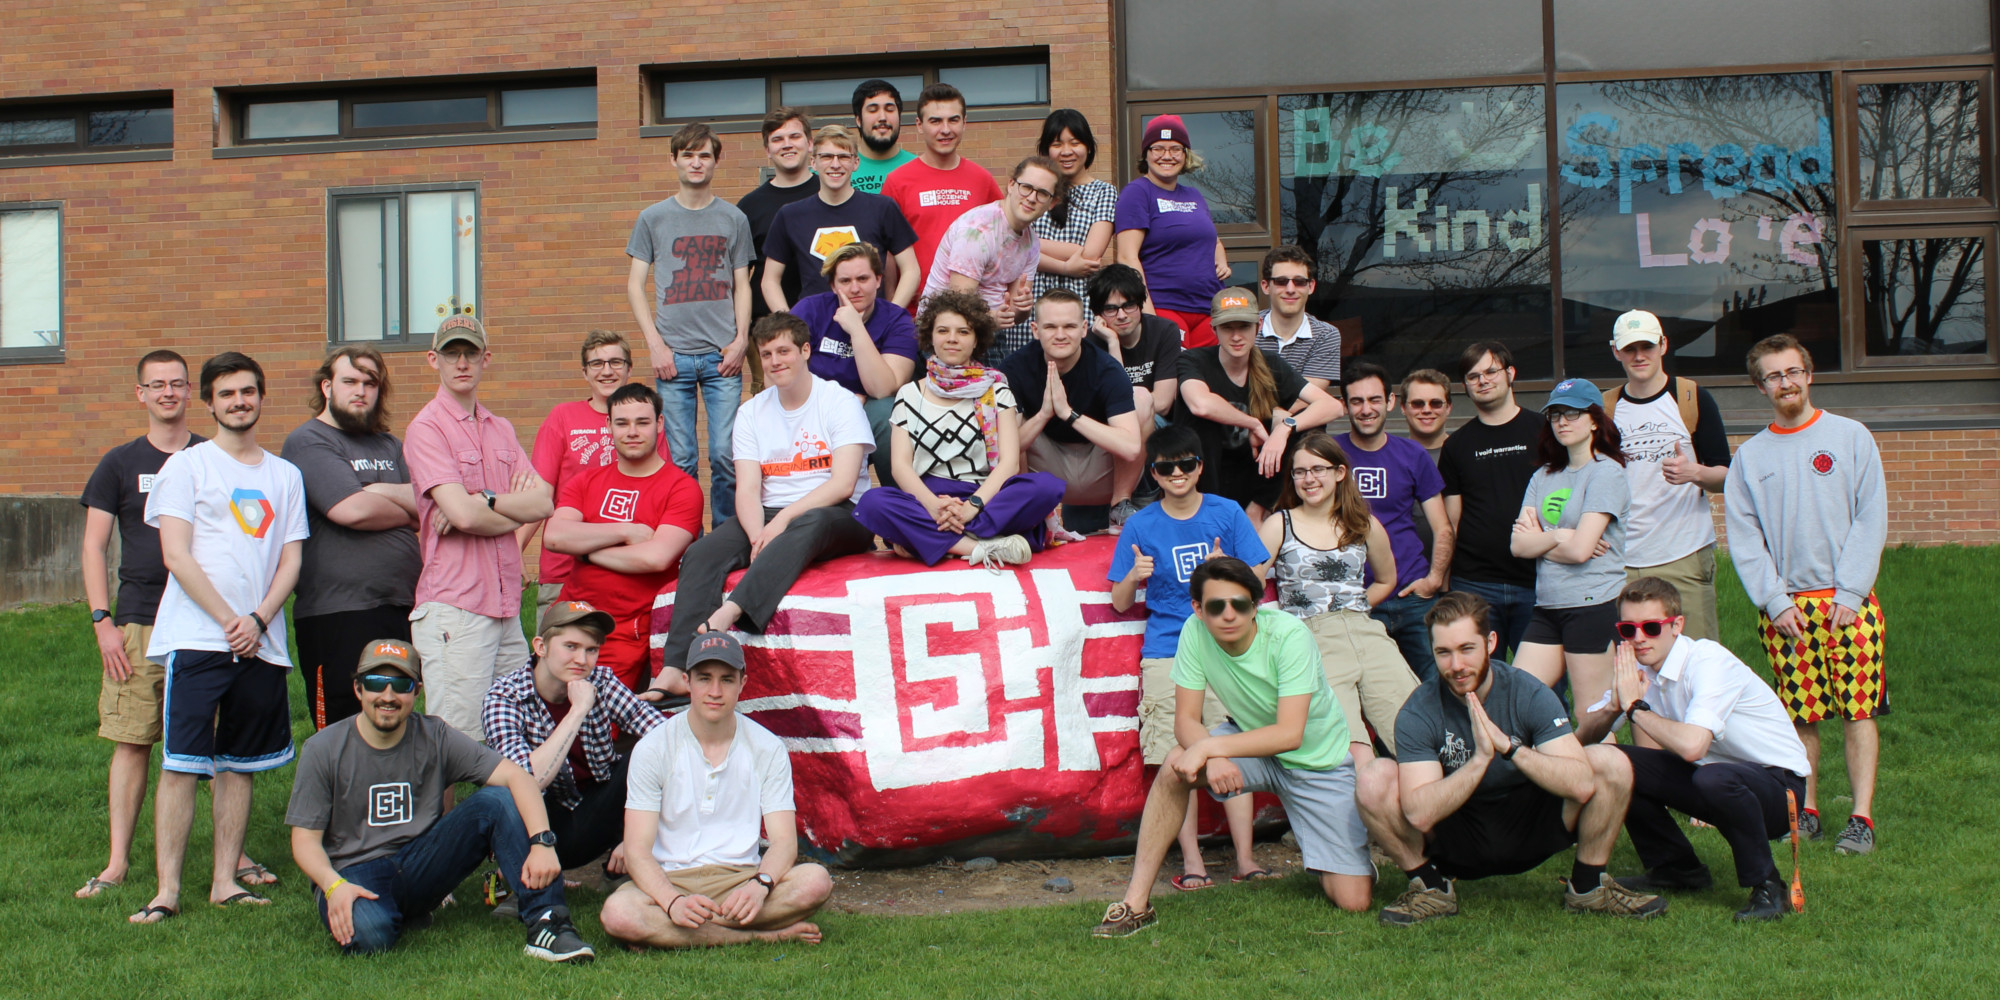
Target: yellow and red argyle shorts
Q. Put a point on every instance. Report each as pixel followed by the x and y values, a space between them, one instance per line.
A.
pixel 1828 670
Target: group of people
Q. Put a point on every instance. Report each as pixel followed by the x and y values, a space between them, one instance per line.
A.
pixel 1068 346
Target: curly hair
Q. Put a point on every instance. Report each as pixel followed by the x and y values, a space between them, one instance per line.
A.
pixel 966 306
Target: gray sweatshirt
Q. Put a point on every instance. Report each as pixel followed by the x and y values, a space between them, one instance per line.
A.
pixel 1807 510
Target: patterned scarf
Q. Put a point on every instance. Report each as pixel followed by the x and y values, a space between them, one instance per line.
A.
pixel 972 381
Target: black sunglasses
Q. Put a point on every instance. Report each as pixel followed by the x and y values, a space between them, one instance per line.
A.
pixel 374 683
pixel 1214 605
pixel 1651 626
pixel 1176 466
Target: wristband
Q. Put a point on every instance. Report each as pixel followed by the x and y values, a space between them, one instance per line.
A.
pixel 669 908
pixel 337 883
pixel 259 619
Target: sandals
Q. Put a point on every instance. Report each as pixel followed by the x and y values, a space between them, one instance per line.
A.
pixel 1254 875
pixel 245 898
pixel 256 874
pixel 95 886
pixel 1192 883
pixel 154 914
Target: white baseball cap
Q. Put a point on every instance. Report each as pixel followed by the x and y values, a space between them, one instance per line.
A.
pixel 1636 327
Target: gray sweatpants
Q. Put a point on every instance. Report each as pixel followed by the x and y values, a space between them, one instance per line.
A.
pixel 820 533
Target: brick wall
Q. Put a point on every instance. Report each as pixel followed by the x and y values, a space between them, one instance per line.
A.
pixel 1944 486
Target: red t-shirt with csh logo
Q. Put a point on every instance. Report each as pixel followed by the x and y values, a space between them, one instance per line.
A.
pixel 933 199
pixel 574 439
pixel 607 495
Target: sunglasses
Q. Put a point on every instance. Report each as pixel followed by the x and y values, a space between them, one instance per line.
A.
pixel 1285 280
pixel 1651 626
pixel 1424 404
pixel 1214 605
pixel 375 683
pixel 1176 466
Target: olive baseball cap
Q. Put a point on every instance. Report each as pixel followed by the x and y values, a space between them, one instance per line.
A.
pixel 563 613
pixel 459 327
pixel 1232 305
pixel 394 654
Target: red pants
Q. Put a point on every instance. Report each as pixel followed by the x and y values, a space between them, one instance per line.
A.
pixel 628 651
pixel 1195 331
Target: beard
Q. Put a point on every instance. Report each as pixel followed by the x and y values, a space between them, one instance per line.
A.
pixel 349 423
pixel 881 147
pixel 238 421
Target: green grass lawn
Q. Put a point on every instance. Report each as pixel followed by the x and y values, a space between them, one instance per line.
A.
pixel 1905 922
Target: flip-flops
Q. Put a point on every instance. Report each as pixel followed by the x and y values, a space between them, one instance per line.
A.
pixel 255 874
pixel 245 898
pixel 95 886
pixel 1192 883
pixel 164 913
pixel 1254 875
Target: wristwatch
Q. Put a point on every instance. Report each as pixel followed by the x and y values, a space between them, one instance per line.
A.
pixel 1637 704
pixel 546 838
pixel 490 496
pixel 976 501
pixel 1071 419
pixel 1290 421
pixel 1513 744
pixel 98 615
pixel 764 880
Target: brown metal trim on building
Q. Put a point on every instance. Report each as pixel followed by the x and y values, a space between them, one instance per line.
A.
pixel 402 142
pixel 67 159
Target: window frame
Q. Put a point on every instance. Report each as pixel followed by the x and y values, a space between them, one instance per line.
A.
pixel 80 110
pixel 1848 86
pixel 407 341
pixel 776 74
pixel 492 89
pixel 58 353
pixel 1853 297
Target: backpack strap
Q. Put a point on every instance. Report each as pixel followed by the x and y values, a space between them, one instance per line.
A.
pixel 1684 394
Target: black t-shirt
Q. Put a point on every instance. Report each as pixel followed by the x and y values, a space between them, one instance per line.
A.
pixel 805 231
pixel 1434 724
pixel 1095 385
pixel 118 487
pixel 1488 469
pixel 761 207
pixel 1154 356
pixel 1229 463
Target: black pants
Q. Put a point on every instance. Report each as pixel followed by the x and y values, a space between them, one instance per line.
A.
pixel 1744 802
pixel 330 645
pixel 597 823
pixel 820 533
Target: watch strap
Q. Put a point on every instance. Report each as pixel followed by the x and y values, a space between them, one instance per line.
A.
pixel 98 615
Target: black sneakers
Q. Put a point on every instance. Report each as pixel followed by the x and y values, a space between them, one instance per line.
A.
pixel 1769 901
pixel 552 938
pixel 1665 879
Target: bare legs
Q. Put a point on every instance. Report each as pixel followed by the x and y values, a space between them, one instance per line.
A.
pixel 634 917
pixel 1241 814
pixel 1863 751
pixel 129 772
pixel 1589 673
pixel 173 820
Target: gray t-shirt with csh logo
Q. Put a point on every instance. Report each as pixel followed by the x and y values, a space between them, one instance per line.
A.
pixel 694 255
pixel 371 802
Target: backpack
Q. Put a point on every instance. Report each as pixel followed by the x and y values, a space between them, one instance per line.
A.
pixel 1684 394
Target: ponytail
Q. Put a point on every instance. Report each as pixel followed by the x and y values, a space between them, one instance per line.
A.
pixel 1263 386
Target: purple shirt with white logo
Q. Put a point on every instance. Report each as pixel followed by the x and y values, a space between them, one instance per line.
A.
pixel 892 330
pixel 1396 481
pixel 1178 253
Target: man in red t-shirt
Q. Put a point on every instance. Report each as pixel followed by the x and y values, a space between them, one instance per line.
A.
pixel 627 525
pixel 937 187
pixel 575 438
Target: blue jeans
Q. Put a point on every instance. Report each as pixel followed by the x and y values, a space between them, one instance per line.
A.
pixel 1513 607
pixel 415 879
pixel 720 396
pixel 1403 618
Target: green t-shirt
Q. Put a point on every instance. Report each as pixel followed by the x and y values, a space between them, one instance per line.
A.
pixel 1283 660
pixel 870 172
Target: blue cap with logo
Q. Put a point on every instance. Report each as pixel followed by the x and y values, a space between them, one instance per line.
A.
pixel 1575 393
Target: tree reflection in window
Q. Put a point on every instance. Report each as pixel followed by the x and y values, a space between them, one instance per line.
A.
pixel 1919 140
pixel 1925 297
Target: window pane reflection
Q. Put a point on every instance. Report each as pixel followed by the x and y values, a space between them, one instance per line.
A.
pixel 1227 144
pixel 1925 296
pixel 1919 140
pixel 132 127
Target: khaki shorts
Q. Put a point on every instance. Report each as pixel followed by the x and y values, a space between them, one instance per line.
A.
pixel 1694 576
pixel 546 594
pixel 462 652
pixel 1156 710
pixel 128 711
pixel 1086 469
pixel 1366 670
pixel 713 881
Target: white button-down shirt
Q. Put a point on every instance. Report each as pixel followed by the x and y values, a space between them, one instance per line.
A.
pixel 1703 684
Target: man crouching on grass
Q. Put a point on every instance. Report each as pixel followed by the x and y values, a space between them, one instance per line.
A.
pixel 1264 667
pixel 699 787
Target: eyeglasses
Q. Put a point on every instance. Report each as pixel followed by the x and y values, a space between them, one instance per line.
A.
pixel 1215 605
pixel 1796 376
pixel 1167 151
pixel 834 157
pixel 1651 626
pixel 1290 280
pixel 375 683
pixel 1425 404
pixel 1563 415
pixel 1120 307
pixel 1029 191
pixel 600 364
pixel 1487 375
pixel 1305 472
pixel 1176 466
pixel 177 385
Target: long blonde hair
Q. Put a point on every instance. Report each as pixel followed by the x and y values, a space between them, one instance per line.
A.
pixel 1262 384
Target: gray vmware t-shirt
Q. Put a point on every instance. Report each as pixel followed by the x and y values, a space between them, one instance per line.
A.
pixel 371 802
pixel 694 255
pixel 1435 725
pixel 1561 499
pixel 347 569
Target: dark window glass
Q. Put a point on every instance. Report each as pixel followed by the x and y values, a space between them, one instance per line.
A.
pixel 548 106
pixel 840 92
pixel 1919 140
pixel 1426 211
pixel 983 85
pixel 743 97
pixel 415 114
pixel 1227 144
pixel 132 127
pixel 38 132
pixel 1925 296
pixel 291 119
pixel 1708 202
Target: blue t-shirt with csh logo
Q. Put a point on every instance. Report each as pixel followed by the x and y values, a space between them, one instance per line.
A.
pixel 1177 547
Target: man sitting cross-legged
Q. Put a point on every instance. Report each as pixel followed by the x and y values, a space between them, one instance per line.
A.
pixel 1265 669
pixel 1491 780
pixel 369 825
pixel 558 719
pixel 1713 742
pixel 701 786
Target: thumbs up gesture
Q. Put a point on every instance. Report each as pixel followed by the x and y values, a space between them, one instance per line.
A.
pixel 1214 550
pixel 1680 468
pixel 1142 567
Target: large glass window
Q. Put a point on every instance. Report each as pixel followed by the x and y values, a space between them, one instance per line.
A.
pixel 1427 212
pixel 1918 140
pixel 418 109
pixel 1709 202
pixel 684 93
pixel 1925 296
pixel 30 281
pixel 403 262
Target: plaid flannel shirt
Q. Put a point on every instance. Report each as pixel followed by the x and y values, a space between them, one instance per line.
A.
pixel 517 722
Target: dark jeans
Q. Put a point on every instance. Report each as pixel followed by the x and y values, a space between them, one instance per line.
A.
pixel 414 880
pixel 819 533
pixel 1513 607
pixel 1744 802
pixel 1403 617
pixel 597 823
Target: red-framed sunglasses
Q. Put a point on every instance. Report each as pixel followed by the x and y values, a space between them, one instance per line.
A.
pixel 1651 626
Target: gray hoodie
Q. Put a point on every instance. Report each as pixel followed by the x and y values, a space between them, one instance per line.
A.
pixel 1807 509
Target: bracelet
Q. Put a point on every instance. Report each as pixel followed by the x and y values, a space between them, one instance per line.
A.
pixel 262 628
pixel 337 883
pixel 669 908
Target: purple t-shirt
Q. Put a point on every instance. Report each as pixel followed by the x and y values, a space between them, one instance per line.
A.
pixel 892 330
pixel 1178 253
pixel 1396 481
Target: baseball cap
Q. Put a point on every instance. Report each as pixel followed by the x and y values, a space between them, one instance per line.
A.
pixel 564 613
pixel 459 326
pixel 1575 393
pixel 392 653
pixel 1635 327
pixel 1168 128
pixel 715 647
pixel 1232 305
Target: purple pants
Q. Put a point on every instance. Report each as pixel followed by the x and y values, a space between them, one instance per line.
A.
pixel 1020 508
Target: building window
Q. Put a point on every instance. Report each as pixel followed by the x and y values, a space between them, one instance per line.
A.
pixel 30 281
pixel 413 109
pixel 1709 202
pixel 401 262
pixel 1229 140
pixel 1924 296
pixel 86 127
pixel 734 93
pixel 1426 210
pixel 1918 141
